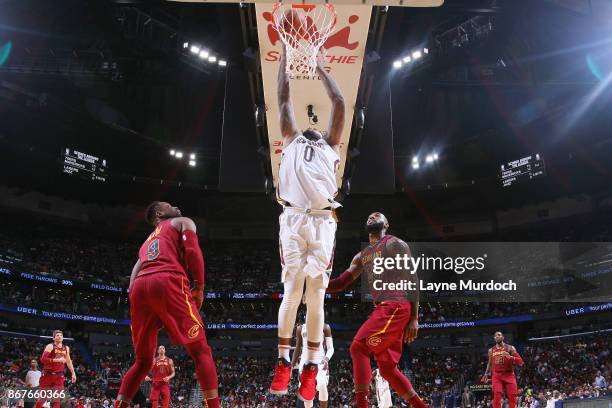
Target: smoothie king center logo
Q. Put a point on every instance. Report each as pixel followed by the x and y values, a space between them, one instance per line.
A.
pixel 339 39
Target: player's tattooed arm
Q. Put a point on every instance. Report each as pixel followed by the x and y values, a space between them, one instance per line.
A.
pixel 336 121
pixel 298 347
pixel 135 271
pixel 70 365
pixel 288 124
pixel 485 377
pixel 347 277
pixel 397 247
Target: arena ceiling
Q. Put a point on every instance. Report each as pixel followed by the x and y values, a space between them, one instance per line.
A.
pixel 503 81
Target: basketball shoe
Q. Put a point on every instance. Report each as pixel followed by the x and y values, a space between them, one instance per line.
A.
pixel 308 382
pixel 282 375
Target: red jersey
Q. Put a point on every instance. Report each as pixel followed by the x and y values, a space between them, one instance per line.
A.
pixel 161 368
pixel 501 364
pixel 162 251
pixel 392 275
pixel 57 352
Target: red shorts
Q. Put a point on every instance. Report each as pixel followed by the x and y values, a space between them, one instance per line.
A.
pixel 160 387
pixel 53 381
pixel 383 332
pixel 163 300
pixel 504 382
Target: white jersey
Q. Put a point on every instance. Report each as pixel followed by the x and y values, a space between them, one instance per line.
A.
pixel 383 393
pixel 307 174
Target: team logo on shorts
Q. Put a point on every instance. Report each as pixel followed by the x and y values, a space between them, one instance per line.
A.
pixel 194 331
pixel 374 341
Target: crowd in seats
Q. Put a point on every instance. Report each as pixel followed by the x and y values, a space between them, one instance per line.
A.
pixel 559 369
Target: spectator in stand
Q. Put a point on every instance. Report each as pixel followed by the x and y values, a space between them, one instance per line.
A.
pixel 600 381
pixel 467 398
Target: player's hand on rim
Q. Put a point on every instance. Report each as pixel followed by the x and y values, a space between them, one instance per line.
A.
pixel 410 334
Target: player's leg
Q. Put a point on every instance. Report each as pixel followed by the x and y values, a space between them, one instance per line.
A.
pixel 497 389
pixel 57 383
pixel 511 391
pixel 42 383
pixel 154 395
pixel 145 326
pixel 292 248
pixel 322 381
pixel 206 371
pixel 165 392
pixel 386 342
pixel 400 383
pixel 182 321
pixel 362 371
pixel 315 316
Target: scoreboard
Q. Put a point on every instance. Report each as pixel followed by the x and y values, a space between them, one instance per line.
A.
pixel 523 169
pixel 84 165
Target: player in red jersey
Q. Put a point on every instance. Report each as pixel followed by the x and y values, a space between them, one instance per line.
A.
pixel 55 356
pixel 160 296
pixel 502 357
pixel 163 372
pixel 394 319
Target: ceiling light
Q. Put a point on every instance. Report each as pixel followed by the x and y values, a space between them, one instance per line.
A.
pixel 195 49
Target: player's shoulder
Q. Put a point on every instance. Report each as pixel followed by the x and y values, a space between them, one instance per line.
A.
pixel 183 223
pixel 49 347
pixel 396 244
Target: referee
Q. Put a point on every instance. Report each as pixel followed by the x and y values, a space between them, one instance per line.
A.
pixel 32 380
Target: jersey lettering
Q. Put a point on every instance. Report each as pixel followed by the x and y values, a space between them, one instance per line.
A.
pixel 153 250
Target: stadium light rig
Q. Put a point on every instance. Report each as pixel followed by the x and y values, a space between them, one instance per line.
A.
pixel 412 57
pixel 430 159
pixel 178 154
pixel 204 55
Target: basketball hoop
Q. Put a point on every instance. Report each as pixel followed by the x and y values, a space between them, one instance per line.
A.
pixel 303 28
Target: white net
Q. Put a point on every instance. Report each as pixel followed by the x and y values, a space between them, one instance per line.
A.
pixel 303 29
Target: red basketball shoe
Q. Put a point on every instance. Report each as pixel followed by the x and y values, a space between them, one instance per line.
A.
pixel 308 382
pixel 282 375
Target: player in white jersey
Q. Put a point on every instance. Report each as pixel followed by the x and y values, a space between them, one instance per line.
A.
pixel 383 392
pixel 325 353
pixel 306 190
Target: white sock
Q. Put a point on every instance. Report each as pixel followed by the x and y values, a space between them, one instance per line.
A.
pixel 313 355
pixel 283 352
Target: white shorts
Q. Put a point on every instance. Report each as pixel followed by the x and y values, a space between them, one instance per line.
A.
pixel 322 375
pixel 306 242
